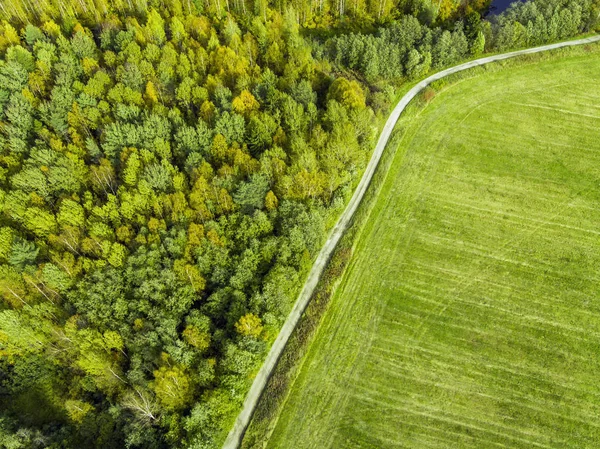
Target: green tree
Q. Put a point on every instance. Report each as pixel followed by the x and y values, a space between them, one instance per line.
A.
pixel 155 28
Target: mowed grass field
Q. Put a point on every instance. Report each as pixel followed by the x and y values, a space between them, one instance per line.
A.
pixel 469 316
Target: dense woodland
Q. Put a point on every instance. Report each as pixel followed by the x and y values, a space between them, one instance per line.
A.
pixel 168 171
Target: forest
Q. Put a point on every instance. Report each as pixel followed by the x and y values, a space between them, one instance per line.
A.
pixel 169 170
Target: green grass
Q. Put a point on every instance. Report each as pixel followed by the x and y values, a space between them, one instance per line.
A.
pixel 469 316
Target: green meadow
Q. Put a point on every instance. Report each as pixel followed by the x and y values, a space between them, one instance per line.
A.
pixel 469 316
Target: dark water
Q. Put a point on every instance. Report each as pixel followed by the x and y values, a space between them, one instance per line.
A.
pixel 500 5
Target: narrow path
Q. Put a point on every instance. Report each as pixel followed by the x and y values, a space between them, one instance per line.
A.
pixel 237 432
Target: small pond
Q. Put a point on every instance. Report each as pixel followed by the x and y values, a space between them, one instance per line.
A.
pixel 500 5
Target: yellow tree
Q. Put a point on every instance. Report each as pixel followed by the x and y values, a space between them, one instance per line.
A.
pixel 348 93
pixel 151 93
pixel 271 201
pixel 173 387
pixel 249 326
pixel 245 103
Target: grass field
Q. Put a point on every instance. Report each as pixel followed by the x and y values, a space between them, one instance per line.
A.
pixel 470 314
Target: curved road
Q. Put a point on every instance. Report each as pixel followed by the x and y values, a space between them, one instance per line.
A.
pixel 237 432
